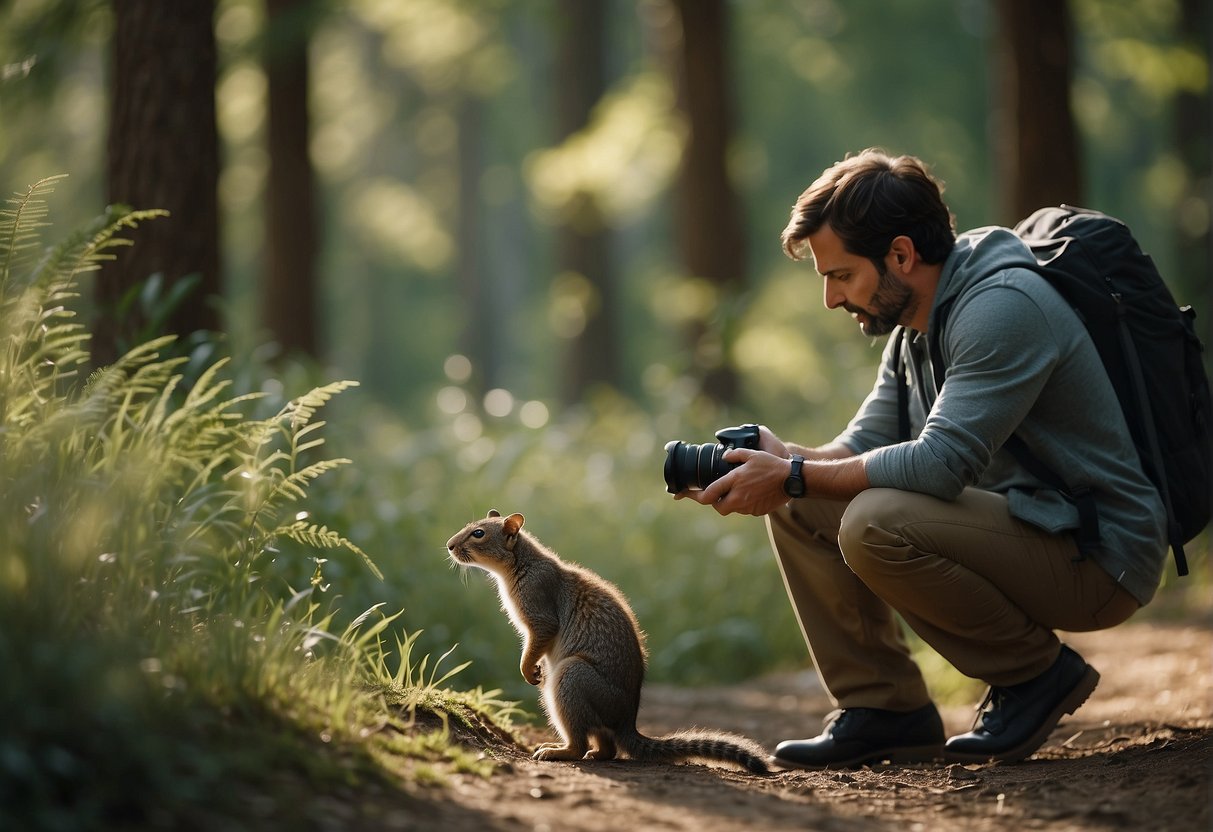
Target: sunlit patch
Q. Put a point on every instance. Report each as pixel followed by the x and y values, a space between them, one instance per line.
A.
pixel 452 400
pixel 498 402
pixel 401 222
pixel 622 161
pixel 573 299
pixel 533 414
pixel 458 368
pixel 467 427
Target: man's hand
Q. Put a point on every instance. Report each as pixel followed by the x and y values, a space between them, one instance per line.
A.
pixel 772 444
pixel 755 487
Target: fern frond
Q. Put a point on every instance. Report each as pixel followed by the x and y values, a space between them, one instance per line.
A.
pixel 294 486
pixel 299 447
pixel 19 225
pixel 301 410
pixel 86 249
pixel 321 537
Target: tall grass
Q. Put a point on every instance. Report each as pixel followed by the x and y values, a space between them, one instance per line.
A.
pixel 169 655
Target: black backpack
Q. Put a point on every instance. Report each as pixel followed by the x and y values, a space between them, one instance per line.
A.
pixel 1150 349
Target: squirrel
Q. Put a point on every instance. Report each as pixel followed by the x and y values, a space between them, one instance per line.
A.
pixel 582 644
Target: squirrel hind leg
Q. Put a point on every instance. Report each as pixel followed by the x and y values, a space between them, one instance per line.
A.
pixel 555 751
pixel 606 749
pixel 577 700
pixel 603 749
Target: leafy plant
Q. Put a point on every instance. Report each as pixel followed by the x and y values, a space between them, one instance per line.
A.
pixel 163 597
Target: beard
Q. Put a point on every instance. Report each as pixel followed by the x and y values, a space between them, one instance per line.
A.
pixel 892 303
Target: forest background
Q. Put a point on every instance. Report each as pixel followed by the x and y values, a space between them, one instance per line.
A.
pixel 543 237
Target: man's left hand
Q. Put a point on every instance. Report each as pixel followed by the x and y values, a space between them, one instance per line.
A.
pixel 755 487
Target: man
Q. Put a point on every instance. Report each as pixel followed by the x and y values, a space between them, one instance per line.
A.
pixel 946 530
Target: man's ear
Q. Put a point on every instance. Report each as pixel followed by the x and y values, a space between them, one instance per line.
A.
pixel 902 255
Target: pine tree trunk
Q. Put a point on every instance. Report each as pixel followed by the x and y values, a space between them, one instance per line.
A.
pixel 1194 141
pixel 288 297
pixel 163 152
pixel 583 242
pixel 1037 141
pixel 484 310
pixel 709 216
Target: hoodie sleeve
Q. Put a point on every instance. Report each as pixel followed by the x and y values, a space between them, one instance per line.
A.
pixel 999 350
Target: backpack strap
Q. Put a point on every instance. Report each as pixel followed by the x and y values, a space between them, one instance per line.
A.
pixel 903 387
pixel 1138 382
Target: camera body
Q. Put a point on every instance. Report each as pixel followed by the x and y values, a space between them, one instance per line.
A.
pixel 693 467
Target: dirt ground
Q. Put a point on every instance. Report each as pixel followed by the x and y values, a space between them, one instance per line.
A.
pixel 1136 756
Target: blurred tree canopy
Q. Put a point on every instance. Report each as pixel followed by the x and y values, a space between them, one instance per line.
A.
pixel 553 197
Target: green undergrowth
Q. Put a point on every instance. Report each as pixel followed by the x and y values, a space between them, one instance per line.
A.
pixel 173 654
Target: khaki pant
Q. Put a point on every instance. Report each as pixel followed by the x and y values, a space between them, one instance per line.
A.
pixel 983 589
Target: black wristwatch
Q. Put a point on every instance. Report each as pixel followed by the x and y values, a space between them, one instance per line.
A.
pixel 793 486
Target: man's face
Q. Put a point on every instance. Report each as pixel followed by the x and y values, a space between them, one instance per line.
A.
pixel 877 299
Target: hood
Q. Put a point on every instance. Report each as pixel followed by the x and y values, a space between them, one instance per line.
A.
pixel 977 255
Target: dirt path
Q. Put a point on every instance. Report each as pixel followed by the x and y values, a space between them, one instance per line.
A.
pixel 1136 756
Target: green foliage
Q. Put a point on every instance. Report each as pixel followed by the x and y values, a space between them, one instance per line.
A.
pixel 705 588
pixel 399 88
pixel 168 653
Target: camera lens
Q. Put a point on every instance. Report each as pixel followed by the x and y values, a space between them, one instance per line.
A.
pixel 689 466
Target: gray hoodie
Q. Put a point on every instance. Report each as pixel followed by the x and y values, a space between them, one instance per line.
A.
pixel 1017 360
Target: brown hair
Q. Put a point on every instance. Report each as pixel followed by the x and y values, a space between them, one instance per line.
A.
pixel 868 199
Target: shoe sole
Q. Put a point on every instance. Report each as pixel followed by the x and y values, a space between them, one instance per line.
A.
pixel 1072 702
pixel 907 754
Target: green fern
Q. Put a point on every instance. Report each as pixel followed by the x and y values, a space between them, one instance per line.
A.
pixel 42 346
pixel 185 490
pixel 143 560
pixel 321 537
pixel 20 224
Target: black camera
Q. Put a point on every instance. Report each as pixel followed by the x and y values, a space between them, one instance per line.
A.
pixel 695 466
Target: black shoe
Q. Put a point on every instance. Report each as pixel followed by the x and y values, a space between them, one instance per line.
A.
pixel 1017 720
pixel 858 736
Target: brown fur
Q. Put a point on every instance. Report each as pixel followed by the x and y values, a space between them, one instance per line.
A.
pixel 583 646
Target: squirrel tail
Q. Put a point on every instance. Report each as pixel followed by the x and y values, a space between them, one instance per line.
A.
pixel 696 744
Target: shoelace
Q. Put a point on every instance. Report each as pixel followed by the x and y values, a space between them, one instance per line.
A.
pixel 990 711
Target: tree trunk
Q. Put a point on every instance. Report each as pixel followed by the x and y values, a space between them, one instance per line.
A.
pixel 481 338
pixel 709 217
pixel 163 152
pixel 1194 141
pixel 583 246
pixel 288 297
pixel 1037 141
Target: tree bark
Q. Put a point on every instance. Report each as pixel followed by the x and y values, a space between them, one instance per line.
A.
pixel 1194 141
pixel 709 216
pixel 1037 140
pixel 583 244
pixel 288 297
pixel 163 152
pixel 481 340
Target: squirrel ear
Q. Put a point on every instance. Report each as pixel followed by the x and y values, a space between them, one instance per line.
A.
pixel 513 523
pixel 494 513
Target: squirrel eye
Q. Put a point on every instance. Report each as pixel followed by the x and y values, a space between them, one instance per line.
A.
pixel 478 533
